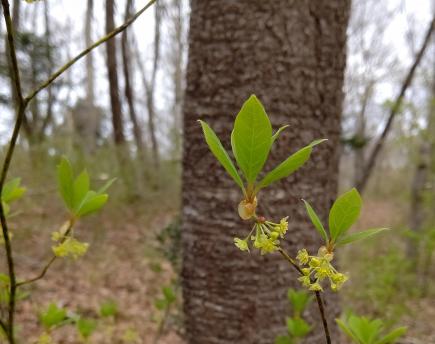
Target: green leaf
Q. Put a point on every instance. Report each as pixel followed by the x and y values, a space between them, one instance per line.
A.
pixel 347 239
pixel 283 340
pixel 160 304
pixel 12 190
pixel 298 327
pixel 86 327
pixel 288 166
pixel 345 328
pixel 169 294
pixel 299 300
pixel 80 188
pixel 52 316
pixel 92 203
pixel 316 221
pixel 220 153
pixel 252 138
pixel 344 213
pixel 65 182
pixel 108 309
pixel 278 132
pixel 391 337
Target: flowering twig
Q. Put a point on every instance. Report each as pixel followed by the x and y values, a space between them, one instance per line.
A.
pixel 318 296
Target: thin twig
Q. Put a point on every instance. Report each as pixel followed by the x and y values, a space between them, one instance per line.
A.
pixel 62 69
pixel 52 259
pixel 41 274
pixel 318 296
pixel 323 316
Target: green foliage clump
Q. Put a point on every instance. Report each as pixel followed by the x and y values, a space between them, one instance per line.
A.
pixel 363 330
pixel 297 327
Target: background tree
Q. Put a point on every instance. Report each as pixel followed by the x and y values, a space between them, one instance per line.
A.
pixel 112 72
pixel 292 55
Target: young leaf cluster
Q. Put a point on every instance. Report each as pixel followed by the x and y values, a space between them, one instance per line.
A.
pixel 11 192
pixel 363 330
pixel 54 317
pixel 251 142
pixel 297 327
pixel 343 214
pixel 76 193
pixel 169 297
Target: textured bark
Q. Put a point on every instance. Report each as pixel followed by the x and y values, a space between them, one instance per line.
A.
pixel 112 70
pixel 292 55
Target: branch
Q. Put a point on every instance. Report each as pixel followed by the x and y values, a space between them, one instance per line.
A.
pixel 318 296
pixel 41 274
pixel 394 110
pixel 51 261
pixel 15 73
pixel 112 34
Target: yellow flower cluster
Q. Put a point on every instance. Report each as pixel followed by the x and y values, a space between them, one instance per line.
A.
pixel 68 246
pixel 265 238
pixel 315 269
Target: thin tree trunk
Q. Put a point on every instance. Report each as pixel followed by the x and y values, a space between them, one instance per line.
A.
pixel 371 161
pixel 129 94
pixel 50 96
pixel 178 75
pixel 292 55
pixel 359 157
pixel 90 88
pixel 112 71
pixel 150 85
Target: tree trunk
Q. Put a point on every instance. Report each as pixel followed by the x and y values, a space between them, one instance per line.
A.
pixel 177 64
pixel 292 55
pixel 151 85
pixel 112 71
pixel 50 96
pixel 90 88
pixel 129 94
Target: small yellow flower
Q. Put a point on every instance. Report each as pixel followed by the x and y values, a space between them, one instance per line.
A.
pixel 305 280
pixel 303 256
pixel 316 287
pixel 70 248
pixel 282 227
pixel 314 262
pixel 241 244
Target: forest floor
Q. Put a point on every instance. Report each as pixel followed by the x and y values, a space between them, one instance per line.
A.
pixel 124 264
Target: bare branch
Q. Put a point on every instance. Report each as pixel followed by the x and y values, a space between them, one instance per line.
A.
pixel 394 110
pixel 112 34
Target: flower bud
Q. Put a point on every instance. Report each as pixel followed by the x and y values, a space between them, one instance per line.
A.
pixel 247 208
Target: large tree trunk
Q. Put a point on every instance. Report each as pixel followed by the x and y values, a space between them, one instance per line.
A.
pixel 112 70
pixel 292 55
